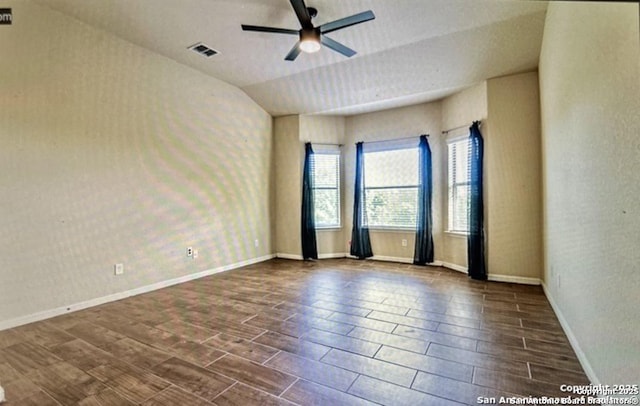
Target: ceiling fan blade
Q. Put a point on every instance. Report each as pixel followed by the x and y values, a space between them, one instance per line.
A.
pixel 293 54
pixel 336 46
pixel 303 14
pixel 258 28
pixel 347 21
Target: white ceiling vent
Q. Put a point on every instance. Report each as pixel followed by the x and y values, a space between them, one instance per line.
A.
pixel 203 49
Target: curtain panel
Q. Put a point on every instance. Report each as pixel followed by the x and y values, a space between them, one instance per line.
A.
pixel 475 239
pixel 423 253
pixel 360 242
pixel 308 225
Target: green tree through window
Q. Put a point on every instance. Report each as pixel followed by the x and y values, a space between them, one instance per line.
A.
pixel 326 180
pixel 391 188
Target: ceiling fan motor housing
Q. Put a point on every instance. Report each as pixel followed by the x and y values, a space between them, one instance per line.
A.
pixel 312 34
pixel 313 38
pixel 310 40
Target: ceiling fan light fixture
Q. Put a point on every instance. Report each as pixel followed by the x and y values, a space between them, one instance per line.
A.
pixel 310 46
pixel 310 40
pixel 313 38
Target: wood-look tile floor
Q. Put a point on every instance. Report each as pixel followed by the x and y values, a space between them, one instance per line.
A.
pixel 330 332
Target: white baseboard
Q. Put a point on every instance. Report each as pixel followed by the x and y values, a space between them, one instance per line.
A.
pixel 47 314
pixel 401 260
pixel 334 255
pixel 584 362
pixel 497 278
pixel 298 257
pixel 514 279
pixel 455 267
pixel 283 255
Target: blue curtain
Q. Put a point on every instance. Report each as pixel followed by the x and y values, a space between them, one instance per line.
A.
pixel 360 242
pixel 308 224
pixel 423 252
pixel 475 239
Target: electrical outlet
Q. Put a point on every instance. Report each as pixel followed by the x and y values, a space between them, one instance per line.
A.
pixel 189 251
pixel 195 254
pixel 118 269
pixel 256 243
pixel 404 242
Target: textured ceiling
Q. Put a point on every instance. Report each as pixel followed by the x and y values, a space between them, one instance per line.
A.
pixel 414 51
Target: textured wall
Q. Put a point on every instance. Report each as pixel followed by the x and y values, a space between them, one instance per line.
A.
pixel 114 154
pixel 513 190
pixel 589 70
pixel 291 132
pixel 459 110
pixel 288 160
pixel 403 122
pixel 331 130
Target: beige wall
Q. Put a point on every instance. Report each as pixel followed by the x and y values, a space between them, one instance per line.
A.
pixel 403 122
pixel 513 195
pixel 509 110
pixel 459 110
pixel 290 134
pixel 323 129
pixel 589 70
pixel 331 130
pixel 288 156
pixel 113 154
pixel 464 107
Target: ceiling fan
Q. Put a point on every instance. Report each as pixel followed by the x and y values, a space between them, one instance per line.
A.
pixel 312 38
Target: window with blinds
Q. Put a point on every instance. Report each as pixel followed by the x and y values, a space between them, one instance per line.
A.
pixel 391 188
pixel 326 181
pixel 458 185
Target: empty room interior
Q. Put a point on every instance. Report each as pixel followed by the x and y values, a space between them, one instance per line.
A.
pixel 372 202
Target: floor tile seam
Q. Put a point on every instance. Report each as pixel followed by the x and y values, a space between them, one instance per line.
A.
pixel 430 372
pixel 393 345
pixel 417 391
pixel 378 378
pixel 181 388
pixel 237 381
pixel 358 374
pixel 497 360
pixel 303 337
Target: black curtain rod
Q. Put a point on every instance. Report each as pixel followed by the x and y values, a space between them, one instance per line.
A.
pixel 461 126
pixel 397 139
pixel 323 143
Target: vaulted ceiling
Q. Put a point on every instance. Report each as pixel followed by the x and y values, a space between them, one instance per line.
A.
pixel 414 51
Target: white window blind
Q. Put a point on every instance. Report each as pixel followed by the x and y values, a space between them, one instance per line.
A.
pixel 391 188
pixel 458 170
pixel 326 180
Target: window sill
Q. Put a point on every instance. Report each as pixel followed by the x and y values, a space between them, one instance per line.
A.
pixel 329 228
pixel 457 234
pixel 392 229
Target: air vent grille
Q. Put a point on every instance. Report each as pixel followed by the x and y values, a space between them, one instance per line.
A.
pixel 203 50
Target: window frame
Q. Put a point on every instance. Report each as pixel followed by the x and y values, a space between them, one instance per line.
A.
pixel 337 154
pixel 388 227
pixel 450 192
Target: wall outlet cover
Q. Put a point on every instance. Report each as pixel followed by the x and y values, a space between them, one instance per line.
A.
pixel 118 269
